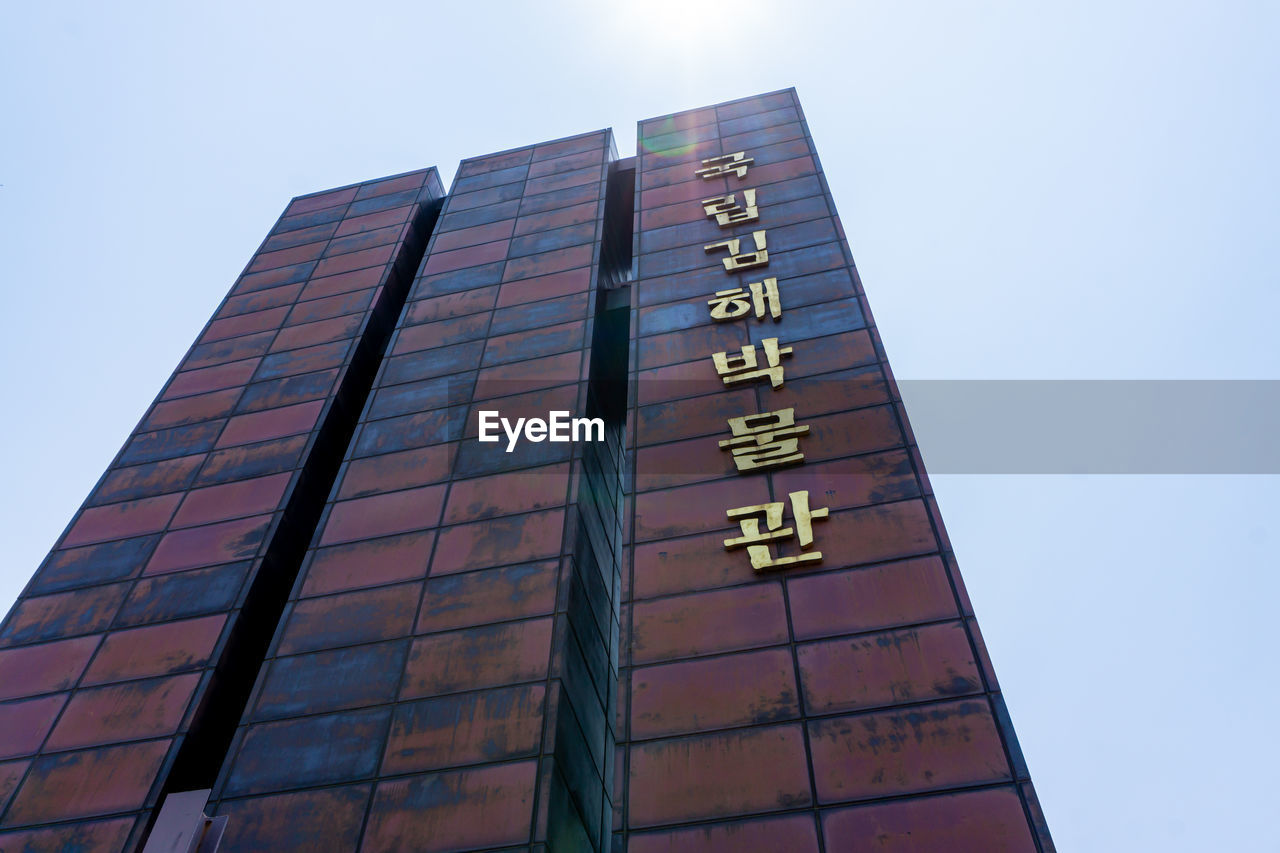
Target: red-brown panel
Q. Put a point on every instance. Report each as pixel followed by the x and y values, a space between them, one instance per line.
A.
pixel 122 712
pixel 731 773
pixel 155 650
pixel 891 668
pixel 478 657
pixel 472 809
pixel 923 748
pixel 793 834
pixel 732 690
pixel 82 784
pixel 708 622
pixel 976 822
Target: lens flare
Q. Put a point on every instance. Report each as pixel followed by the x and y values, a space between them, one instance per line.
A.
pixel 666 140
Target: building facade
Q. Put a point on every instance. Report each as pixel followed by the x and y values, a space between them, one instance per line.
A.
pixel 322 586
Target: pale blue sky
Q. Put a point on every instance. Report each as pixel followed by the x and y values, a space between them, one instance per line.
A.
pixel 1078 192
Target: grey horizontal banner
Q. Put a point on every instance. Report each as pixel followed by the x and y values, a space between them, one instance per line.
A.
pixel 961 426
pixel 1096 426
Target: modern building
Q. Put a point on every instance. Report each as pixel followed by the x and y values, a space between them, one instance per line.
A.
pixel 309 602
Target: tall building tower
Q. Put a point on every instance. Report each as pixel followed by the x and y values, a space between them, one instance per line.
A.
pixel 574 509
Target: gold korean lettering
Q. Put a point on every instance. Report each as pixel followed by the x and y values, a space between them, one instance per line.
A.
pixel 735 302
pixel 726 210
pixel 717 167
pixel 766 440
pixel 757 541
pixel 742 260
pixel 744 366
